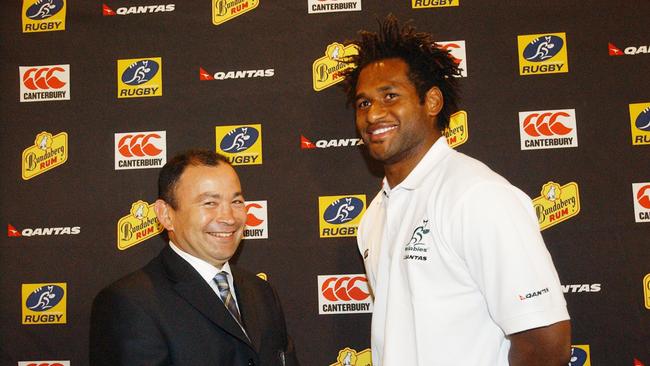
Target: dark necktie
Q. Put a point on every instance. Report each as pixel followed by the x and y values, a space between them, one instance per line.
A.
pixel 221 279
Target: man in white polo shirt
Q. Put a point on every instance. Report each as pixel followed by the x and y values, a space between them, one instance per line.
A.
pixel 453 252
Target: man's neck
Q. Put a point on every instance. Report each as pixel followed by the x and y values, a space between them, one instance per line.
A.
pixel 396 172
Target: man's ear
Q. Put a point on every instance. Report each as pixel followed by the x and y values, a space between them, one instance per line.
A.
pixel 164 214
pixel 433 101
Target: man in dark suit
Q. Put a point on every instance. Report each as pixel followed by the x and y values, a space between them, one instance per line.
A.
pixel 189 306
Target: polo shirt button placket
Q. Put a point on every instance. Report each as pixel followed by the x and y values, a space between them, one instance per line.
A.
pixel 251 362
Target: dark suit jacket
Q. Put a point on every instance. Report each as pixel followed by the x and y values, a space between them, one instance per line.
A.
pixel 166 314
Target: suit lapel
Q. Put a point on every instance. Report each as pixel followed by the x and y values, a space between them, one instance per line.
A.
pixel 191 286
pixel 247 297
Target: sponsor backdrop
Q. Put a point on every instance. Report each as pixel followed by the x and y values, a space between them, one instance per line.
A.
pixel 96 96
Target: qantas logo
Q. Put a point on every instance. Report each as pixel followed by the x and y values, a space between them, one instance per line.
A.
pixel 236 74
pixel 305 143
pixel 587 287
pixel 629 51
pixel 12 232
pixel 147 9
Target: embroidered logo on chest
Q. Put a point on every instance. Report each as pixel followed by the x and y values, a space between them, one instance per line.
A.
pixel 416 248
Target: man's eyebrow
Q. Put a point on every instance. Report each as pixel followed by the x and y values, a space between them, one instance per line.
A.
pixel 380 89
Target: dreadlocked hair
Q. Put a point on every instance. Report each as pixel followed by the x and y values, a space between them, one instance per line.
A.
pixel 429 65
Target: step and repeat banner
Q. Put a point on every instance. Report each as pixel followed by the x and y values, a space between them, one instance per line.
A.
pixel 96 96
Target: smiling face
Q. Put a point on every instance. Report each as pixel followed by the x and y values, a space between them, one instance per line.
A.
pixel 209 219
pixel 397 128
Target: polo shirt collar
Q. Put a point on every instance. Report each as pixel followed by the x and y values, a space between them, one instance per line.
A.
pixel 429 161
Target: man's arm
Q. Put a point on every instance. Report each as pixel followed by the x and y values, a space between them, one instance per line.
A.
pixel 544 346
pixel 124 334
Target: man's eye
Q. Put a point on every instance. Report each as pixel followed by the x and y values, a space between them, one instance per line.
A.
pixel 209 203
pixel 391 95
pixel 363 104
pixel 238 202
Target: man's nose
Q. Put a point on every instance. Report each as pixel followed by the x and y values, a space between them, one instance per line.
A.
pixel 225 215
pixel 376 112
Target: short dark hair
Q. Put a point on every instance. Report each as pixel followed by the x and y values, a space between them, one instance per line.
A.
pixel 429 65
pixel 172 171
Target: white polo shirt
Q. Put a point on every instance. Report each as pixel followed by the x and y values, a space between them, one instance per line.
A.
pixel 456 261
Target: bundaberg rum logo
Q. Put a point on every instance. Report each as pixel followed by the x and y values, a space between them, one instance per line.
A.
pixel 139 225
pixel 47 153
pixel 457 133
pixel 224 10
pixel 556 204
pixel 350 357
pixel 328 69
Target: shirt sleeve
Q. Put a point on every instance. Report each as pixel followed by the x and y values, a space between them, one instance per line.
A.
pixel 495 231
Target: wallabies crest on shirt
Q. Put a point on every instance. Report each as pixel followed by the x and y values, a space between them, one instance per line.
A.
pixel 416 248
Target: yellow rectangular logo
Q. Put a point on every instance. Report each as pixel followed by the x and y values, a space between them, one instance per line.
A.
pixel 556 204
pixel 44 303
pixel 457 133
pixel 640 123
pixel 328 70
pixel 139 77
pixel 339 216
pixel 43 15
pixel 542 54
pixel 47 153
pixel 139 225
pixel 240 144
pixel 224 10
pixel 646 290
pixel 423 4
pixel 580 355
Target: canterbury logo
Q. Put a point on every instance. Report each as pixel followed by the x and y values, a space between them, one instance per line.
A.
pixel 345 288
pixel 251 219
pixel 43 78
pixel 138 145
pixel 448 47
pixel 545 124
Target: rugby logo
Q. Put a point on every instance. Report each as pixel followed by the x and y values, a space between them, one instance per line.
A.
pixel 44 83
pixel 139 78
pixel 241 145
pixel 542 54
pixel 44 303
pixel 423 4
pixel 340 215
pixel 580 355
pixel 640 123
pixel 342 294
pixel 548 129
pixel 140 150
pixel 43 15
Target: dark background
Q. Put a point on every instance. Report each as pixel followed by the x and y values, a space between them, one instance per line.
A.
pixel 602 244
